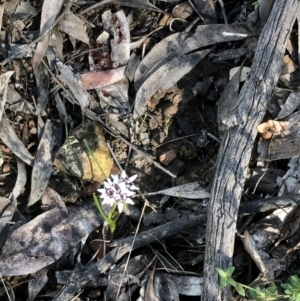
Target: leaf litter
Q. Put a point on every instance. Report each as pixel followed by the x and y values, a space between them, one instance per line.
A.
pixel 78 77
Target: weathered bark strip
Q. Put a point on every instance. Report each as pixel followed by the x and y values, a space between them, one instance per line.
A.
pixel 235 150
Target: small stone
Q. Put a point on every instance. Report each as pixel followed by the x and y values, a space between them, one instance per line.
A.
pixel 31 124
pixel 74 159
pixel 5 168
pixel 33 131
pixel 167 157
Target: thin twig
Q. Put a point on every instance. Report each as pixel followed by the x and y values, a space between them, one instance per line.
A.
pixel 5 288
pixel 223 11
pixel 196 10
pixel 131 248
pixel 94 6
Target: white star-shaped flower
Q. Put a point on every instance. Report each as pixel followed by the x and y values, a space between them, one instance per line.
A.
pixel 118 191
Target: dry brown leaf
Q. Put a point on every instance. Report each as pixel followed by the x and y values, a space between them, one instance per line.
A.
pixel 75 85
pixel 117 25
pixel 288 65
pixel 74 27
pixel 244 73
pixel 100 79
pixel 46 238
pixel 16 103
pixel 164 77
pixel 181 43
pixel 1 13
pixel 4 78
pixel 42 168
pixel 11 140
pixel 272 127
pixel 49 12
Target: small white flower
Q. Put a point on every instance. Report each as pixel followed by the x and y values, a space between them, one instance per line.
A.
pixel 128 181
pixel 118 191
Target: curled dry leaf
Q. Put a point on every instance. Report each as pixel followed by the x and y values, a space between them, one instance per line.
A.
pixel 272 127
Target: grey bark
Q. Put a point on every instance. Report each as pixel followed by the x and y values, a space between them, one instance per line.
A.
pixel 235 149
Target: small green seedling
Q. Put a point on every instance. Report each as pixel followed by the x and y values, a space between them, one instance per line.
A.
pixel 291 288
pixel 255 4
pixel 168 122
pixel 144 117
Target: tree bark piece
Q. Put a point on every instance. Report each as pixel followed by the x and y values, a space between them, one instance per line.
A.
pixel 235 150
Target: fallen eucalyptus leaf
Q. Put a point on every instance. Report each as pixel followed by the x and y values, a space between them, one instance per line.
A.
pixel 190 191
pixel 165 77
pixel 46 238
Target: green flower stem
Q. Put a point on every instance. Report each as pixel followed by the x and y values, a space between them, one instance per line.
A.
pixel 112 210
pixel 93 156
pixel 111 223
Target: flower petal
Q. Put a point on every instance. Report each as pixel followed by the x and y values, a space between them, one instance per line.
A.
pixel 129 201
pixel 120 207
pixel 132 178
pixel 106 185
pixel 115 179
pixel 108 201
pixel 132 187
pixel 130 193
pixel 123 175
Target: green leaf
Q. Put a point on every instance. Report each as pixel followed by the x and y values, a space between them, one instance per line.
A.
pixel 223 282
pixel 295 281
pixel 229 271
pixel 257 293
pixel 253 294
pixel 221 272
pixel 239 288
pixel 231 282
pixel 297 297
pixel 271 290
pixel 255 4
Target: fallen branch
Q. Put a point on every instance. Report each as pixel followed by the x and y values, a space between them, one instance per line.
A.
pixel 235 150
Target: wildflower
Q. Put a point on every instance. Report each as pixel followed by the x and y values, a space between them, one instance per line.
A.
pixel 118 191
